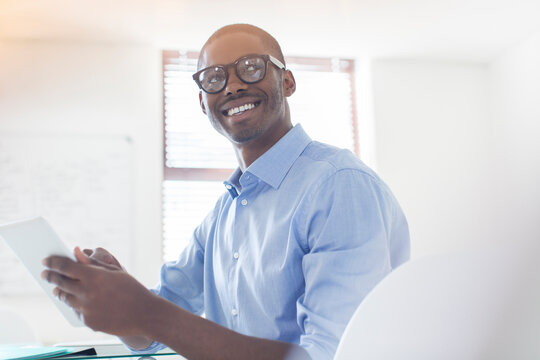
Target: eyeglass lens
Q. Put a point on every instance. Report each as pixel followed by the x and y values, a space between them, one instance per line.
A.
pixel 250 69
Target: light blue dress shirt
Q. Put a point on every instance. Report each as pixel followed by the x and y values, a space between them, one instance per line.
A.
pixel 292 248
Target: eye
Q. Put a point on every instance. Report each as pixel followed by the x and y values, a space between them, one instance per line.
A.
pixel 251 69
pixel 251 65
pixel 213 78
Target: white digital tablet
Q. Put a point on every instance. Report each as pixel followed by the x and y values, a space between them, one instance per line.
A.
pixel 33 240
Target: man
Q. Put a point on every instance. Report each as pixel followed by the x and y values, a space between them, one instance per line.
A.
pixel 303 233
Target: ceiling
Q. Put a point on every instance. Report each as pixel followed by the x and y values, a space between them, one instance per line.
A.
pixel 462 30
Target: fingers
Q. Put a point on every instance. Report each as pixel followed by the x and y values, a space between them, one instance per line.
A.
pixel 62 282
pixel 95 259
pixel 63 265
pixel 82 256
pixel 69 299
pixel 104 256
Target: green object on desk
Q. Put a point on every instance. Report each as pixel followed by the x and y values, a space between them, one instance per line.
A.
pixel 30 352
pixel 112 351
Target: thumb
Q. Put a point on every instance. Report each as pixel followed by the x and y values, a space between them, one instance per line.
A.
pixel 81 257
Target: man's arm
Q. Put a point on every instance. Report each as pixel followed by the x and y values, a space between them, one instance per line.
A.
pixel 348 221
pixel 199 338
pixel 110 300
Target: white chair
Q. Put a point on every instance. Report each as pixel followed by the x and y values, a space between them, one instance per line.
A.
pixel 477 305
pixel 14 329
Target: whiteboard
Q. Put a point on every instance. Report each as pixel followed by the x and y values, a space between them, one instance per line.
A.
pixel 81 184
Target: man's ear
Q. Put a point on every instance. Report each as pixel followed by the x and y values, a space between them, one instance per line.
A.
pixel 289 84
pixel 203 108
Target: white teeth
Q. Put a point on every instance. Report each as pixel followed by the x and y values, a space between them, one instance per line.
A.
pixel 240 109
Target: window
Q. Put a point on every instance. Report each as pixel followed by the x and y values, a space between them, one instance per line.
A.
pixel 197 159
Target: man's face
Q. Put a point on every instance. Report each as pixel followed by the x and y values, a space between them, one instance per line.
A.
pixel 265 114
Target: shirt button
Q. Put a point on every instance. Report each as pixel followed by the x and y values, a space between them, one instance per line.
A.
pixel 234 312
pixel 243 202
pixel 236 255
pixel 229 187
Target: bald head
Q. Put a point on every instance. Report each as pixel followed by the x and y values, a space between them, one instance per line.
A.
pixel 269 42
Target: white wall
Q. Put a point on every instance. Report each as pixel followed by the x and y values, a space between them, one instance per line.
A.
pixel 459 144
pixel 432 141
pixel 516 112
pixel 84 88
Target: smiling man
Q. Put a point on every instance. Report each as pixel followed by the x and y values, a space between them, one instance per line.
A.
pixel 304 231
pixel 245 101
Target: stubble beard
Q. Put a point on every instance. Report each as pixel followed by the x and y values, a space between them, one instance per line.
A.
pixel 246 135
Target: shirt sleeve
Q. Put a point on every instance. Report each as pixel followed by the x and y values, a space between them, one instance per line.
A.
pixel 348 221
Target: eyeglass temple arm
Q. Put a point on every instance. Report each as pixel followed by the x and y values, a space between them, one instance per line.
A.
pixel 276 62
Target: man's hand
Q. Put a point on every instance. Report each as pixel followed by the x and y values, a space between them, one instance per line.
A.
pixel 106 298
pixel 101 256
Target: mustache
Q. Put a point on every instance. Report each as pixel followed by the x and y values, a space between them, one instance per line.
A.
pixel 236 97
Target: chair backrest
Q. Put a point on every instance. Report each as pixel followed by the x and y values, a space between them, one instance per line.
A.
pixel 458 306
pixel 14 329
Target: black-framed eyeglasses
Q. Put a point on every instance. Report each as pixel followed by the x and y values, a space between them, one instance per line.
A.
pixel 250 69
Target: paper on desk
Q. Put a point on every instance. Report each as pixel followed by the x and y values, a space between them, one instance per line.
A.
pixel 33 240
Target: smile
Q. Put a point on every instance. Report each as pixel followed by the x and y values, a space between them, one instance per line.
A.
pixel 241 109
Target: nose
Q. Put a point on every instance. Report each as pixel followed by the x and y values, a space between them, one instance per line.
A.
pixel 234 84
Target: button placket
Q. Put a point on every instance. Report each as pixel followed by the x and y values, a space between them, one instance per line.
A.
pixel 242 202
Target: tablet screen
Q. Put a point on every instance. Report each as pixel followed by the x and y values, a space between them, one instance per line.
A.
pixel 33 240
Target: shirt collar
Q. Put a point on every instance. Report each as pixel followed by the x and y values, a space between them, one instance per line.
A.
pixel 272 166
pixel 233 184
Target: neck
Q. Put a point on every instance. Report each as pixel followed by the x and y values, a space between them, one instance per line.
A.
pixel 247 153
